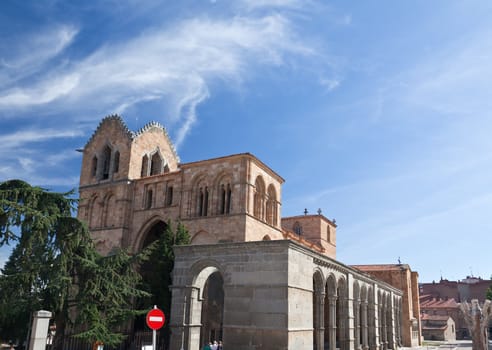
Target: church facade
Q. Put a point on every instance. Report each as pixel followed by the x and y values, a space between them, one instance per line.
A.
pixel 249 277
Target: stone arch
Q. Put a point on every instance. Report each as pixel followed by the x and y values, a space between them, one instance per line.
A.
pixel 259 198
pixel 206 301
pixel 203 237
pixel 110 214
pixel 94 212
pixel 140 238
pixel 155 272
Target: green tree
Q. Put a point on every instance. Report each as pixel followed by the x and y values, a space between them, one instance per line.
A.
pixel 488 294
pixel 54 266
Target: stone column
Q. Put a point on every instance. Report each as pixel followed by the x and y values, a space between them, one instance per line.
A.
pixel 195 317
pixel 390 323
pixel 332 304
pixel 179 320
pixel 357 324
pixel 320 331
pixel 382 328
pixel 365 340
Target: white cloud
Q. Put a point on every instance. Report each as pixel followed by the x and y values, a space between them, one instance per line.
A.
pixel 21 138
pixel 175 65
pixel 18 61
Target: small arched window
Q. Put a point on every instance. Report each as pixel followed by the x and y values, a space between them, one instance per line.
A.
pixel 148 200
pixel 297 228
pixel 202 201
pixel 94 166
pixel 271 206
pixel 145 165
pixel 259 199
pixel 106 162
pixel 116 162
pixel 169 195
pixel 225 196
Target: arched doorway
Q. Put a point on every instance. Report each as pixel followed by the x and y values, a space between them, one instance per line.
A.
pixel 156 279
pixel 212 309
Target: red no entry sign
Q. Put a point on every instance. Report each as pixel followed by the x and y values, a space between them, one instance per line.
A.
pixel 155 319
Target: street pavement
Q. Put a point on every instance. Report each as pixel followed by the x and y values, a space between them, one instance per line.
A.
pixel 452 345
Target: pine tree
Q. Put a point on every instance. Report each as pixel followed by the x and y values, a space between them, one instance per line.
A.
pixel 54 266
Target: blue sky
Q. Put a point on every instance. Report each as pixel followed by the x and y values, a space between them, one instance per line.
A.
pixel 376 112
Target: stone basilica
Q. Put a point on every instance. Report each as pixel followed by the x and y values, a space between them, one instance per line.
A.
pixel 250 277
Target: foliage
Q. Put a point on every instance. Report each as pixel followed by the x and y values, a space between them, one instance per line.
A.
pixel 488 293
pixel 54 266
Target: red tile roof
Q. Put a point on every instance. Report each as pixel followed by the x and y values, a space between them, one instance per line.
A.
pixel 432 303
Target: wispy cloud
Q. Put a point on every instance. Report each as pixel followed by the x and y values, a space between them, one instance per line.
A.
pixel 22 137
pixel 175 65
pixel 19 61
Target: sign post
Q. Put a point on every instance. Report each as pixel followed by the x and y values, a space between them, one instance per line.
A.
pixel 155 320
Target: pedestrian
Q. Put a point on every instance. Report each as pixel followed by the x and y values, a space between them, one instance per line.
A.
pixel 220 346
pixel 214 345
pixel 207 346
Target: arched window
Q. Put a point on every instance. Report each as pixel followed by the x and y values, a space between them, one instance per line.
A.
pixel 94 166
pixel 271 206
pixel 259 199
pixel 225 196
pixel 145 165
pixel 106 162
pixel 156 164
pixel 116 162
pixel 297 228
pixel 169 195
pixel 148 199
pixel 202 201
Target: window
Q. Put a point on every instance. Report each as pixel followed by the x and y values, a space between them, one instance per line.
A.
pixel 259 199
pixel 297 228
pixel 271 206
pixel 169 195
pixel 145 165
pixel 116 162
pixel 156 164
pixel 203 201
pixel 94 166
pixel 106 162
pixel 148 200
pixel 225 196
